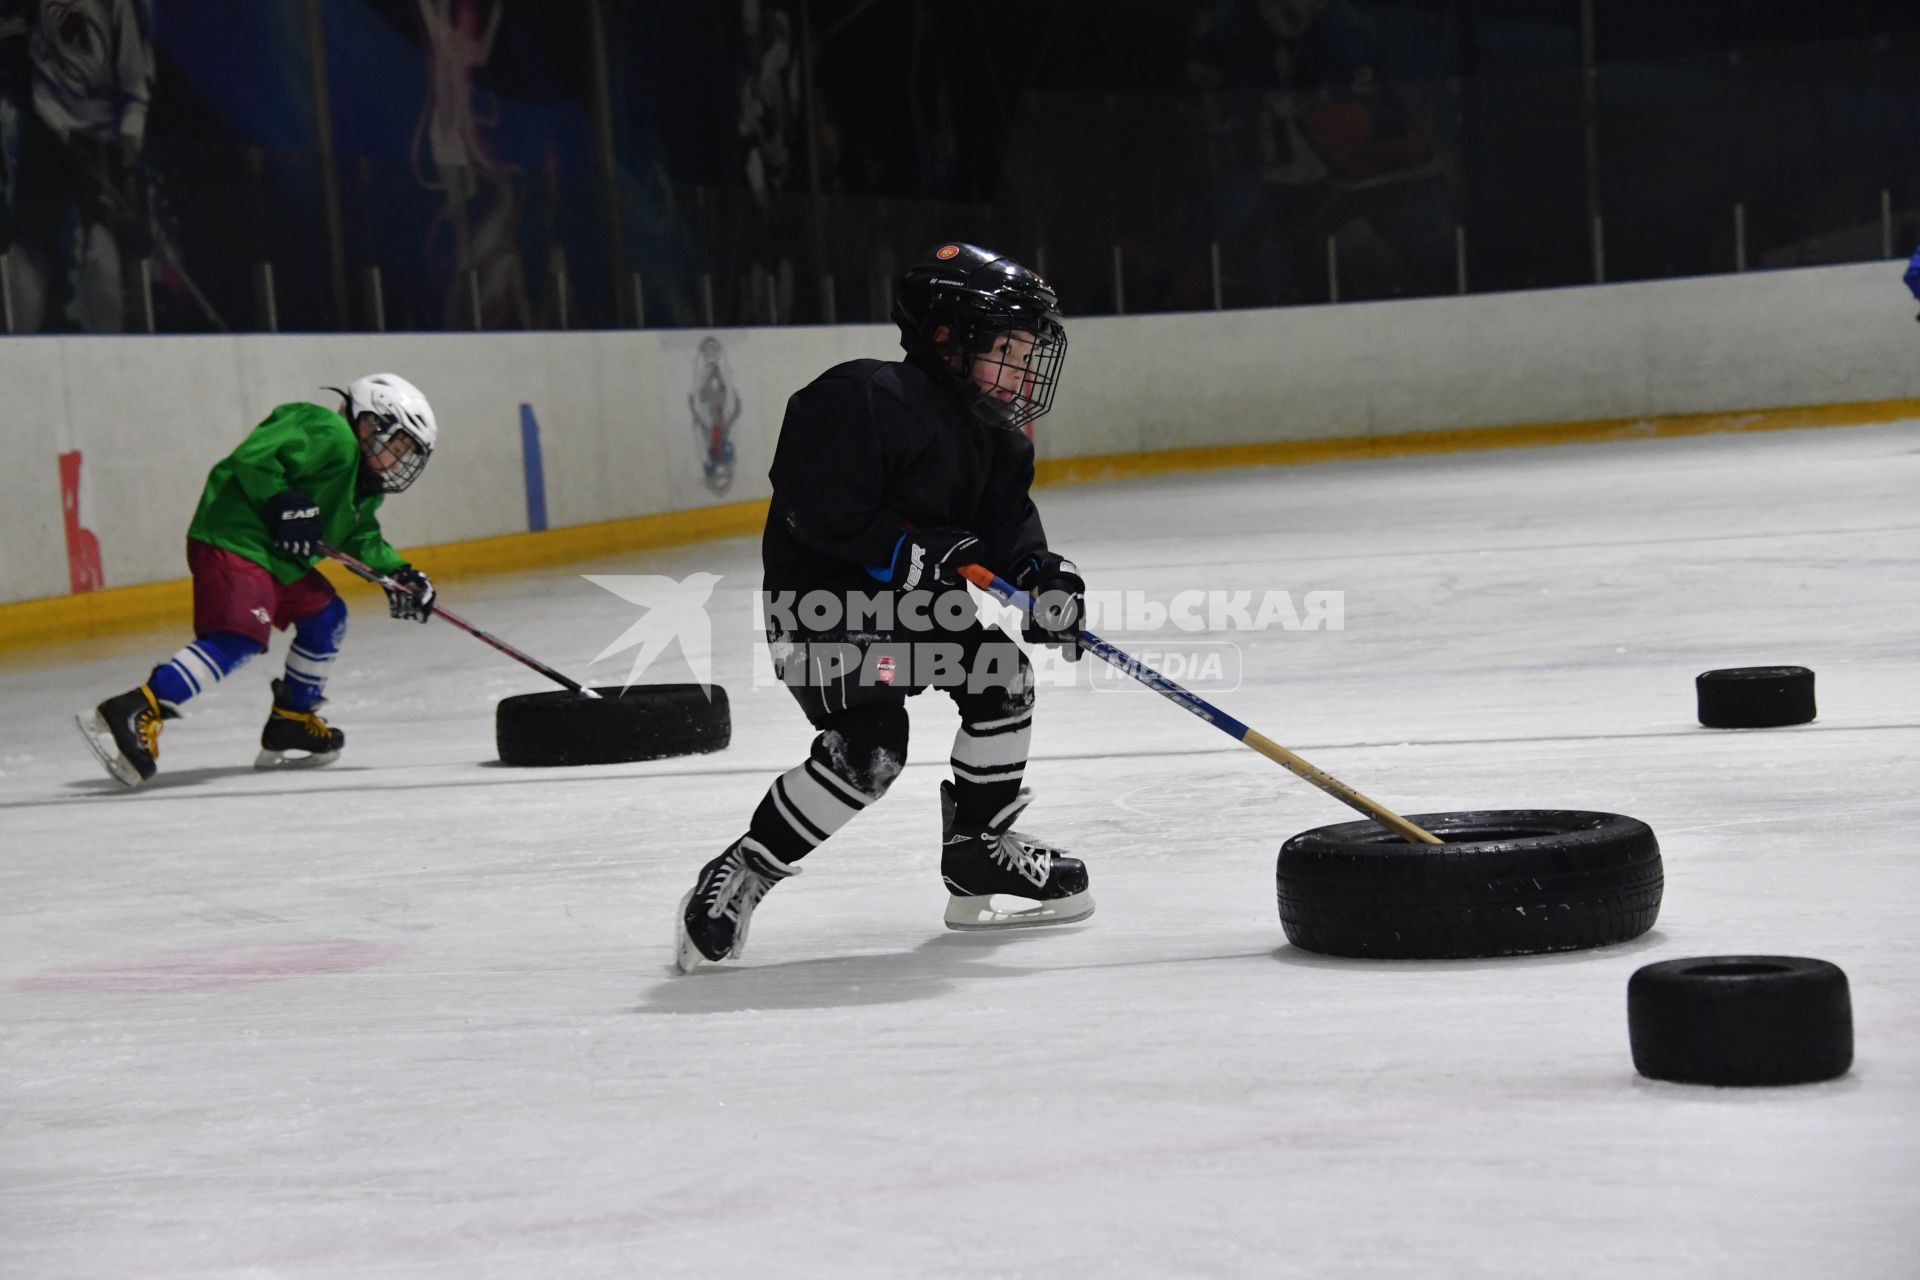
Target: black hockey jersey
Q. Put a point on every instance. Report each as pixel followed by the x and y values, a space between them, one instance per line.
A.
pixel 871 447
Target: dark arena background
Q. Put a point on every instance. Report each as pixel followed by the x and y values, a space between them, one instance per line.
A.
pixel 733 156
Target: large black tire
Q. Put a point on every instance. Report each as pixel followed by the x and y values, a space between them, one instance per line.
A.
pixel 646 722
pixel 1740 1020
pixel 1506 882
pixel 1754 697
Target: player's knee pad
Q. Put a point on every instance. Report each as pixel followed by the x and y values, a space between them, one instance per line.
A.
pixel 322 633
pixel 866 747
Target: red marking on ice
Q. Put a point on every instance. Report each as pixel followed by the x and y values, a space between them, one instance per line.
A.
pixel 83 548
pixel 211 968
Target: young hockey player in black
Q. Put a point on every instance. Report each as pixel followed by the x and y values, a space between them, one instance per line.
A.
pixel 888 477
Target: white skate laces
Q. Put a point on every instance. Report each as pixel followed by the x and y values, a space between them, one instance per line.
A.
pixel 736 894
pixel 1033 863
pixel 728 890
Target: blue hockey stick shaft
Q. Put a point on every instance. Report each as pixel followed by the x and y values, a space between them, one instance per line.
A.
pixel 1194 704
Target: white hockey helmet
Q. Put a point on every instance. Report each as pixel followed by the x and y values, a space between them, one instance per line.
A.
pixel 398 406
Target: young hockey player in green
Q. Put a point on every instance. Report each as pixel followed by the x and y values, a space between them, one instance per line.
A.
pixel 305 477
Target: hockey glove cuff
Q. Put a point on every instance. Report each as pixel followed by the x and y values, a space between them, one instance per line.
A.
pixel 927 558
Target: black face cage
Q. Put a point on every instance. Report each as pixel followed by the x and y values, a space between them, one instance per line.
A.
pixel 404 471
pixel 1040 375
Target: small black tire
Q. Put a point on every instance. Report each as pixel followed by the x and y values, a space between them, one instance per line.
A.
pixel 1506 882
pixel 645 722
pixel 1754 697
pixel 1740 1020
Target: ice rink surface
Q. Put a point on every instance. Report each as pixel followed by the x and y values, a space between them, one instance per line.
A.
pixel 411 1015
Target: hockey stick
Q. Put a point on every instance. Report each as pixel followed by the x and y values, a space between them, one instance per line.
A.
pixel 1000 588
pixel 361 569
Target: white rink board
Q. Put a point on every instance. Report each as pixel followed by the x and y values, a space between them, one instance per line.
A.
pixel 150 415
pixel 410 1016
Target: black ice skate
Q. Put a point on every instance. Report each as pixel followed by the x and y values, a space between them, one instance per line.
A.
pixel 124 732
pixel 716 912
pixel 979 863
pixel 303 732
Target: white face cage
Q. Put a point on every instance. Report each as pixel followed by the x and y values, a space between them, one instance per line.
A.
pixel 402 472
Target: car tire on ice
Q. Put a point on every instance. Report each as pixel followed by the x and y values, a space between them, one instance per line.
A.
pixel 645 722
pixel 1740 1020
pixel 1754 697
pixel 1505 882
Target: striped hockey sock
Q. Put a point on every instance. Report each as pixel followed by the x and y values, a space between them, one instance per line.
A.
pixel 809 802
pixel 316 643
pixel 989 760
pixel 199 667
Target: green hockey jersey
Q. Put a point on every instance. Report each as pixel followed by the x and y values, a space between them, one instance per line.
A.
pixel 304 447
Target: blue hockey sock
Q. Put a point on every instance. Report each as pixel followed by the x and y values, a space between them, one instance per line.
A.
pixel 316 642
pixel 200 666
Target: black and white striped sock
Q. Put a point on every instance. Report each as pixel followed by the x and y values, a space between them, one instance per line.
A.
pixel 804 806
pixel 989 760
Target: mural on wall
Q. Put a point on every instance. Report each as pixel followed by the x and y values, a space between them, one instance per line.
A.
pixel 472 240
pixel 193 136
pixel 769 126
pixel 715 405
pixel 463 152
pixel 494 187
pixel 1307 135
pixel 76 78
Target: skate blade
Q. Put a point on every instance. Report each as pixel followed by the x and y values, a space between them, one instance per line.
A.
pixel 686 956
pixel 99 739
pixel 289 760
pixel 979 913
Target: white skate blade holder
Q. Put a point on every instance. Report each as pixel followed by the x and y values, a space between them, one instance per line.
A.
pixel 977 912
pixel 686 956
pixel 99 740
pixel 294 759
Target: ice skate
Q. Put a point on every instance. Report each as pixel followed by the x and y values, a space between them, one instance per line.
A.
pixel 980 864
pixel 124 733
pixel 296 739
pixel 715 913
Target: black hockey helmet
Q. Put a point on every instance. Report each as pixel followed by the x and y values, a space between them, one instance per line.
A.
pixel 979 297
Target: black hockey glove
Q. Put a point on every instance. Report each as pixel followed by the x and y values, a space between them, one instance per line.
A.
pixel 1059 603
pixel 928 558
pixel 414 600
pixel 293 524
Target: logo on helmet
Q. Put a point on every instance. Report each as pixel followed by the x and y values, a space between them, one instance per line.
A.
pixel 948 252
pixel 715 406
